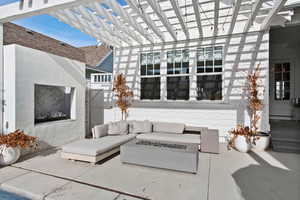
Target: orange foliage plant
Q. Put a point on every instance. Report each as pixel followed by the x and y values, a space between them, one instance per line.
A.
pixel 255 105
pixel 123 93
pixel 17 139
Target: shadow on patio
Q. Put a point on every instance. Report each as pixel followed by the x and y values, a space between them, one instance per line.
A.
pixel 267 182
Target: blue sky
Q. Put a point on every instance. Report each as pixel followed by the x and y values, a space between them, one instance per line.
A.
pixel 51 27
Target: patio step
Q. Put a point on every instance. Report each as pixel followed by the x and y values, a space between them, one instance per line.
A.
pixel 286 145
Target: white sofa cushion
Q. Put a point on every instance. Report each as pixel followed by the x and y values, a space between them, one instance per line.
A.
pixel 140 127
pixel 118 128
pixel 94 147
pixel 166 127
pixel 167 137
pixel 100 131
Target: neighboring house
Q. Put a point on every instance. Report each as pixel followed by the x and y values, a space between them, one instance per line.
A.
pixel 14 34
pixel 94 57
pixel 91 55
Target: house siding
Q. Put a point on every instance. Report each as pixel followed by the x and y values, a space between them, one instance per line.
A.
pixel 242 52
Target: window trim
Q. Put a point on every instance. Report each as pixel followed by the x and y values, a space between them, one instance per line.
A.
pixel 178 49
pixel 150 76
pixel 140 64
pixel 222 73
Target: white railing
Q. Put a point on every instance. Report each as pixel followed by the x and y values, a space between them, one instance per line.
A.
pixel 100 78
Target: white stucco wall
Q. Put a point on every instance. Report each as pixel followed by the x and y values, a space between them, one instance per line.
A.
pixel 242 53
pixel 25 67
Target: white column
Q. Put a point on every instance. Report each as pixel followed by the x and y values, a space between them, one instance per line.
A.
pixel 1 78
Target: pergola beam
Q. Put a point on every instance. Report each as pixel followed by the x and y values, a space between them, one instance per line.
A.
pixel 255 9
pixel 235 13
pixel 268 20
pixel 92 29
pixel 216 18
pixel 162 16
pixel 127 18
pixel 146 18
pixel 14 11
pixel 198 17
pixel 179 15
pixel 111 18
pixel 102 25
pixel 67 17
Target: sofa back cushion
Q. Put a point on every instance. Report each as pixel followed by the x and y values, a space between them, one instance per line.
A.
pixel 100 131
pixel 137 127
pixel 168 127
pixel 118 128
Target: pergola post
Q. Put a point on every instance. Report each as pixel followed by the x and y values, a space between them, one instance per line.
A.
pixel 1 79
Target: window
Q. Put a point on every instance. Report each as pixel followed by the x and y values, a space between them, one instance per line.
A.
pixel 282 81
pixel 210 59
pixel 178 85
pixel 178 88
pixel 209 87
pixel 178 62
pixel 150 88
pixel 150 75
pixel 150 64
pixel 209 70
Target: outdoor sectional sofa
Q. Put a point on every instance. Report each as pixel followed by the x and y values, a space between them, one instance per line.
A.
pixel 108 138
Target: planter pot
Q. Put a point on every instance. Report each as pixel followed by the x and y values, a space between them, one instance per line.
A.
pixel 241 144
pixel 9 155
pixel 262 143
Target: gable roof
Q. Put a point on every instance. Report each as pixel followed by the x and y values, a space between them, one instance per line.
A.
pixel 14 34
pixel 94 54
pixel 106 64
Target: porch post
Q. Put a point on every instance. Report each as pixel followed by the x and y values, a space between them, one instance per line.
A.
pixel 1 79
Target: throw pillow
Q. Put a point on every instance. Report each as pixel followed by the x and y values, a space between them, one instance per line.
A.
pixel 141 127
pixel 118 128
pixel 100 131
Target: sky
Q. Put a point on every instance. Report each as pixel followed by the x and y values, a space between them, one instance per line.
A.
pixel 52 27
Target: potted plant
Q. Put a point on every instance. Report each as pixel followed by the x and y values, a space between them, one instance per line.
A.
pixel 252 136
pixel 123 93
pixel 12 143
pixel 241 138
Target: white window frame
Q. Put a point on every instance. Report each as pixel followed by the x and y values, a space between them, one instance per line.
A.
pixel 180 74
pixel 211 73
pixel 150 76
pixel 174 50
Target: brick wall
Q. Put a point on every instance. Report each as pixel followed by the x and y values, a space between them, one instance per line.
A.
pixel 14 34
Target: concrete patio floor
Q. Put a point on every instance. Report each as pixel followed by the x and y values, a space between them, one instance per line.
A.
pixel 229 175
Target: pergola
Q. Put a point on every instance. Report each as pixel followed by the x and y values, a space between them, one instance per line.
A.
pixel 149 22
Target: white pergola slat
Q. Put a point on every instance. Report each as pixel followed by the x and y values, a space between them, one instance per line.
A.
pixel 130 20
pixel 118 25
pixel 102 25
pixel 146 18
pixel 179 15
pixel 276 7
pixel 255 9
pixel 216 18
pixel 164 19
pixel 198 17
pixel 146 22
pixel 15 11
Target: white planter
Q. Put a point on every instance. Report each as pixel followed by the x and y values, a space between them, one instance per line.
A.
pixel 241 144
pixel 9 155
pixel 262 143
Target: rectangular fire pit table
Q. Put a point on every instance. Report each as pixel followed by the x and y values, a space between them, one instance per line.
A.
pixel 174 156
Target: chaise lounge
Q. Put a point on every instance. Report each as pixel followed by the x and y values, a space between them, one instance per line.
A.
pixel 108 138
